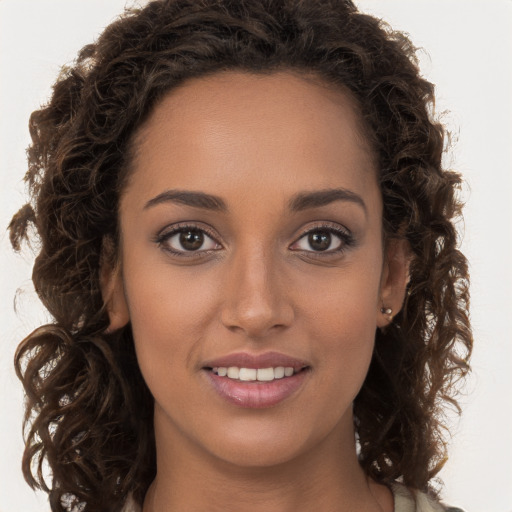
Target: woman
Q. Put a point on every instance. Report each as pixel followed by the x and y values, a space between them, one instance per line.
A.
pixel 247 245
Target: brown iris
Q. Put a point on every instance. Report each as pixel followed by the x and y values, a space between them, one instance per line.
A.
pixel 319 240
pixel 191 240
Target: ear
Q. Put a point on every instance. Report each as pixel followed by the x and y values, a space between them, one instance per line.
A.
pixel 395 276
pixel 112 287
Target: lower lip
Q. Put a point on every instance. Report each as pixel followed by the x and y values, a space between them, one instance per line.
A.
pixel 256 394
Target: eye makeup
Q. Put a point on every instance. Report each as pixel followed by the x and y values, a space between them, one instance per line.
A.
pixel 196 240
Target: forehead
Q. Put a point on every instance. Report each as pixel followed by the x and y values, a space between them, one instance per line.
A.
pixel 239 132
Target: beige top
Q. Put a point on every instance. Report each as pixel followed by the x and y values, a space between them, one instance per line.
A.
pixel 405 501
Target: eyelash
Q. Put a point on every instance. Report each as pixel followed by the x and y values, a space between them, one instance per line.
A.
pixel 345 236
pixel 166 235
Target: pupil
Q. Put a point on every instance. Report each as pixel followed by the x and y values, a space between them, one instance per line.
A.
pixel 191 240
pixel 320 240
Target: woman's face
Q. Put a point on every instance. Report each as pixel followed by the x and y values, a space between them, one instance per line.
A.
pixel 252 238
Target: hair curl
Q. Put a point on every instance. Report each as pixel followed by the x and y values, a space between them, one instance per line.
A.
pixel 89 412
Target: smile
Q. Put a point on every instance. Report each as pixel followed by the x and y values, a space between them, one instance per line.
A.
pixel 254 374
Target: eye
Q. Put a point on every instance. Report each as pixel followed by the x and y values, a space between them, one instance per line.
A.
pixel 181 240
pixel 325 239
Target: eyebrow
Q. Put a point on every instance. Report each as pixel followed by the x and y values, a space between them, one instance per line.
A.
pixel 316 199
pixel 189 198
pixel 299 202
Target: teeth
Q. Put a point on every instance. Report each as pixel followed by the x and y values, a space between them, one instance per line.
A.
pixel 248 374
pixel 233 372
pixel 265 374
pixel 253 374
pixel 279 372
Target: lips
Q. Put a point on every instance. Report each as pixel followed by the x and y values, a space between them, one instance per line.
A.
pixel 227 376
pixel 265 360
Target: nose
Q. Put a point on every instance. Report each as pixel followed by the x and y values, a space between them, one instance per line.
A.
pixel 256 300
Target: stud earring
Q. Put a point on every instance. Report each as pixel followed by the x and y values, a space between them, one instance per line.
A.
pixel 386 311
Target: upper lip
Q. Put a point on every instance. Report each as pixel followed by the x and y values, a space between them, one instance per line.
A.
pixel 265 360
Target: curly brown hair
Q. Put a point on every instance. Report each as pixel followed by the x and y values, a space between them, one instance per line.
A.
pixel 88 411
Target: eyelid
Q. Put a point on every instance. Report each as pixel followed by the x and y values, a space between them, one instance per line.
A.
pixel 345 235
pixel 169 231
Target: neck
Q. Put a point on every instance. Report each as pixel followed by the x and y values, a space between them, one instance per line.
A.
pixel 327 477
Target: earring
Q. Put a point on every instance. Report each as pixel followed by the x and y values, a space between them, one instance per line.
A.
pixel 386 311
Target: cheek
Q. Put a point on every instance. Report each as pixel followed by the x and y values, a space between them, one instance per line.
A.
pixel 163 299
pixel 168 313
pixel 167 319
pixel 339 312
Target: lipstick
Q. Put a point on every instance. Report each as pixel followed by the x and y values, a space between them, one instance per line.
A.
pixel 256 380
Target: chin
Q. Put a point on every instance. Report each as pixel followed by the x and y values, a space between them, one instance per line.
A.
pixel 258 453
pixel 265 444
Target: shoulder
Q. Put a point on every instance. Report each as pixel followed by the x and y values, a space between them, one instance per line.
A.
pixel 410 500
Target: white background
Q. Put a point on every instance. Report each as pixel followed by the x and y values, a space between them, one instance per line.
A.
pixel 469 45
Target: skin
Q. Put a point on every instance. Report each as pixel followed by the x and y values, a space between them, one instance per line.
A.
pixel 257 284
